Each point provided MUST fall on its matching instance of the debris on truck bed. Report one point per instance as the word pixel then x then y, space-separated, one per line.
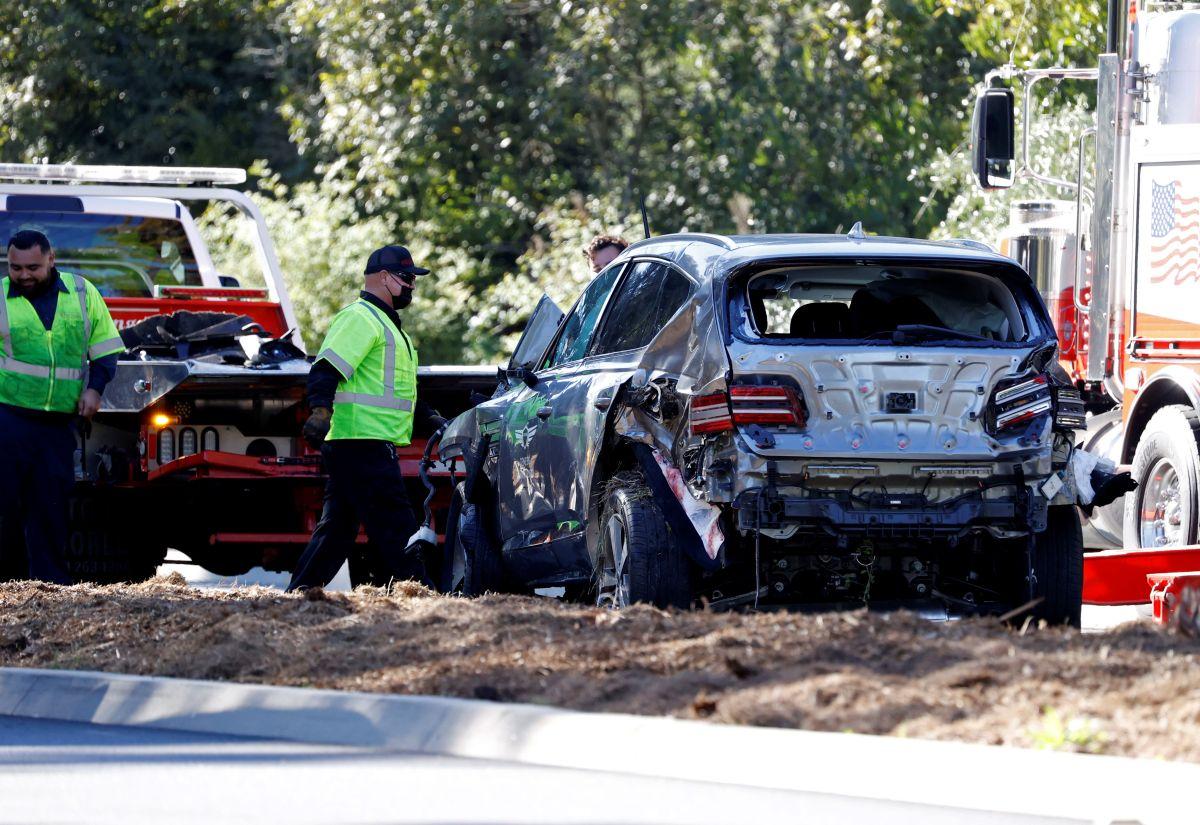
pixel 1132 691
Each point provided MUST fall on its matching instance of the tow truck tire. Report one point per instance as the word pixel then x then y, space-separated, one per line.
pixel 1058 566
pixel 637 560
pixel 472 560
pixel 1163 510
pixel 107 544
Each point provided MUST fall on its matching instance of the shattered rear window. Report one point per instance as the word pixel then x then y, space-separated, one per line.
pixel 876 303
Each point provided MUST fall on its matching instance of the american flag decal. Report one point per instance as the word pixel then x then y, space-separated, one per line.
pixel 1174 234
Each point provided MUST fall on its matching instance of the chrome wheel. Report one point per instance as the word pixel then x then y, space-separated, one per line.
pixel 612 589
pixel 1161 515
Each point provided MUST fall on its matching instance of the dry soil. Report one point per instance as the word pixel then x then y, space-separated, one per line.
pixel 1133 691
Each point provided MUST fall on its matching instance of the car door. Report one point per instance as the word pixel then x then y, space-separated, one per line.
pixel 569 441
pixel 538 459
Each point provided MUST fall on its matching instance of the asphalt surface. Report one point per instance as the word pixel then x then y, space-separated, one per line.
pixel 56 772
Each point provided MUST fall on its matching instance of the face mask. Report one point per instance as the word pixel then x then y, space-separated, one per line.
pixel 401 299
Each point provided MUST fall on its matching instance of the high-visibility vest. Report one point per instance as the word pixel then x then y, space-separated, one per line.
pixel 46 369
pixel 378 364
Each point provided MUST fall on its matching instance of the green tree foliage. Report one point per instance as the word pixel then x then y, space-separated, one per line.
pixel 496 137
pixel 144 81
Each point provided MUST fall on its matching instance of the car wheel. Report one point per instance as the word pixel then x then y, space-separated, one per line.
pixel 637 559
pixel 1162 512
pixel 1058 567
pixel 472 561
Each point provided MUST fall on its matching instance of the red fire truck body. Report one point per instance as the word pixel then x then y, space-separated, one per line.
pixel 197 446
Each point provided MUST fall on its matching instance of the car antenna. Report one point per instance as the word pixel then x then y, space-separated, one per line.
pixel 645 217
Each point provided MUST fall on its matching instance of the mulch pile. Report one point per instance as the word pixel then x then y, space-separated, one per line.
pixel 1132 691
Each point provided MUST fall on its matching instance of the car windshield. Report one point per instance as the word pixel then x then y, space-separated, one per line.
pixel 125 256
pixel 899 304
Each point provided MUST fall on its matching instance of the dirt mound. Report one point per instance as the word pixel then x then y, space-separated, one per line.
pixel 1133 691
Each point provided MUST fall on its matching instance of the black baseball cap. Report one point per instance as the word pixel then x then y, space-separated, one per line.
pixel 393 259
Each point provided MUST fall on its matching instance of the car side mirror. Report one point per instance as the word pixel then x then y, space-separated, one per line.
pixel 992 143
pixel 523 373
pixel 229 281
pixel 527 375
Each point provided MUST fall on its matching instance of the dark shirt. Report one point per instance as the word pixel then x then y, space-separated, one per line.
pixel 44 299
pixel 324 377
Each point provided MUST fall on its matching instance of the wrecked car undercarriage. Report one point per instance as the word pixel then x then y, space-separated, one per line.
pixel 781 420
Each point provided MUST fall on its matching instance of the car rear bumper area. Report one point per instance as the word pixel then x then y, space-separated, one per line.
pixel 907 516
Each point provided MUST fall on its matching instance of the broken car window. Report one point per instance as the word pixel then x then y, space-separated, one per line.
pixel 872 303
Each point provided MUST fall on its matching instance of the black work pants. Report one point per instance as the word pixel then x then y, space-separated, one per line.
pixel 364 487
pixel 37 472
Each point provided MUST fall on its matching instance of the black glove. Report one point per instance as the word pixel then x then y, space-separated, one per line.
pixel 317 427
pixel 1108 488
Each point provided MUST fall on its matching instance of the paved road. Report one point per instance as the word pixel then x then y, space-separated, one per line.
pixel 57 772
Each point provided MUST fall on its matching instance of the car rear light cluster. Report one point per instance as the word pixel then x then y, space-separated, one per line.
pixel 767 405
pixel 1069 412
pixel 719 412
pixel 710 414
pixel 1020 402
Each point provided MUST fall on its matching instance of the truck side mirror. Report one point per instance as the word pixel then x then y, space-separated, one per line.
pixel 992 129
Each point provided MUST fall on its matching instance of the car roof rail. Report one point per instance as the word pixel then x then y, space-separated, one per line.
pixel 142 175
pixel 706 237
pixel 969 243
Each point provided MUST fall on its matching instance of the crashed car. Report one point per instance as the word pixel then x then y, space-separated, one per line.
pixel 780 420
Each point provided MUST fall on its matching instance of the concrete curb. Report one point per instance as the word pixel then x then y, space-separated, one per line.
pixel 1006 781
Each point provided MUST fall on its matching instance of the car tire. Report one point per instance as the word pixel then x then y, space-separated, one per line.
pixel 1164 510
pixel 472 560
pixel 1057 564
pixel 637 559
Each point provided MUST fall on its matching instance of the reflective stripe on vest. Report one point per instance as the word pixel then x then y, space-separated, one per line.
pixel 388 400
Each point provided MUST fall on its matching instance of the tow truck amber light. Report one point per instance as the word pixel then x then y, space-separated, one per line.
pixel 768 405
pixel 710 414
pixel 160 420
pixel 168 175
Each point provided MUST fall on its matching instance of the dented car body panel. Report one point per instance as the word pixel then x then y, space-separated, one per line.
pixel 826 434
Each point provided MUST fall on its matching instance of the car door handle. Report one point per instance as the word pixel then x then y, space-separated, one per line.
pixel 545 412
pixel 603 403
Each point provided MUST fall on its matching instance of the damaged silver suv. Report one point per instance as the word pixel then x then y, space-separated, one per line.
pixel 784 420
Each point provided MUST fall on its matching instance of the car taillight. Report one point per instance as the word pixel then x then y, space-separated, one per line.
pixel 710 414
pixel 1020 402
pixel 1069 410
pixel 767 405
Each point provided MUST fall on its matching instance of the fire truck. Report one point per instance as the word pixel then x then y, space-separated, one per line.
pixel 1119 266
pixel 197 444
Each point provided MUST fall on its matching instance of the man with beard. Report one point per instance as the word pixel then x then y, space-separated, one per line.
pixel 362 392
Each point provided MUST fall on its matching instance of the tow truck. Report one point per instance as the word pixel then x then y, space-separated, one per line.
pixel 197 445
pixel 1119 266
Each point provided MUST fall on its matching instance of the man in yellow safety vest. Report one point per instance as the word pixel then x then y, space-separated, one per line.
pixel 58 350
pixel 362 391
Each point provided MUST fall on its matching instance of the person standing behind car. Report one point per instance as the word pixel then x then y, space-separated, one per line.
pixel 603 250
pixel 362 391
pixel 58 350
